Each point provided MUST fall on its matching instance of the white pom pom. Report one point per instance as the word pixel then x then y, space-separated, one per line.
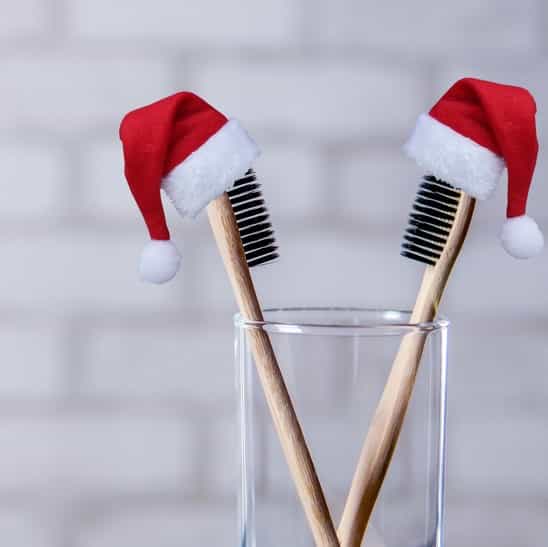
pixel 521 237
pixel 160 261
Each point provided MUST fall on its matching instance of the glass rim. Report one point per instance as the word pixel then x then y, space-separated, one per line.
pixel 311 327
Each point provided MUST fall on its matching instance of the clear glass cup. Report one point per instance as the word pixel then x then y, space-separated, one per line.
pixel 335 362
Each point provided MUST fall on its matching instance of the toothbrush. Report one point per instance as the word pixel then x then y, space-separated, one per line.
pixel 193 152
pixel 471 134
pixel 239 230
pixel 435 236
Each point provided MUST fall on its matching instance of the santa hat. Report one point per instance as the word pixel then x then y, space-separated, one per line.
pixel 471 134
pixel 184 146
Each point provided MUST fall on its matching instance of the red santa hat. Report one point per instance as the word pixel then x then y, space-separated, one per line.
pixel 471 134
pixel 182 145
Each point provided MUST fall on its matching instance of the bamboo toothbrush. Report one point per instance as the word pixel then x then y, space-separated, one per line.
pixel 239 222
pixel 471 134
pixel 436 233
pixel 184 146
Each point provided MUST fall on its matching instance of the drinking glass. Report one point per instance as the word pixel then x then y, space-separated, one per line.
pixel 335 362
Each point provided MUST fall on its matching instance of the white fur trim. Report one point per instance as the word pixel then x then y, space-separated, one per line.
pixel 160 261
pixel 210 170
pixel 521 237
pixel 454 158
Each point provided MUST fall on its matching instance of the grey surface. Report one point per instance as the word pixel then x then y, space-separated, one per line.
pixel 116 399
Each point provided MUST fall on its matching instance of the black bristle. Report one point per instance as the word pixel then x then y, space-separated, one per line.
pixel 424 251
pixel 420 232
pixel 251 193
pixel 252 219
pixel 429 225
pixel 440 191
pixel 432 178
pixel 250 209
pixel 248 177
pixel 433 201
pixel 259 244
pixel 418 258
pixel 254 230
pixel 436 222
pixel 258 235
pixel 243 189
pixel 254 255
pixel 251 222
pixel 263 260
pixel 422 242
pixel 431 211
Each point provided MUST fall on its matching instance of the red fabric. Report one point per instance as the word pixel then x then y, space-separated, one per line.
pixel 500 118
pixel 158 137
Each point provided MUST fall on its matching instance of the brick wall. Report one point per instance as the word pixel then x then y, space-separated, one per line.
pixel 114 396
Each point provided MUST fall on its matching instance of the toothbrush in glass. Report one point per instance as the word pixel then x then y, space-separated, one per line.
pixel 466 140
pixel 184 146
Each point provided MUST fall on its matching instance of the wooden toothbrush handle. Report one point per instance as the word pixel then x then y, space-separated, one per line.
pixel 387 421
pixel 382 436
pixel 225 230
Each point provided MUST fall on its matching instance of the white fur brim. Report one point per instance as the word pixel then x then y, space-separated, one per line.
pixel 454 158
pixel 211 169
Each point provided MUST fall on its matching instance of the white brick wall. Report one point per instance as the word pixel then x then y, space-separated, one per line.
pixel 222 459
pixel 289 281
pixel 294 180
pixel 169 527
pixel 33 364
pixel 315 98
pixel 24 528
pixel 103 197
pixel 511 522
pixel 378 186
pixel 27 166
pixel 23 19
pixel 52 267
pixel 273 22
pixel 63 93
pixel 521 354
pixel 486 275
pixel 433 29
pixel 161 364
pixel 502 456
pixel 103 453
pixel 117 404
